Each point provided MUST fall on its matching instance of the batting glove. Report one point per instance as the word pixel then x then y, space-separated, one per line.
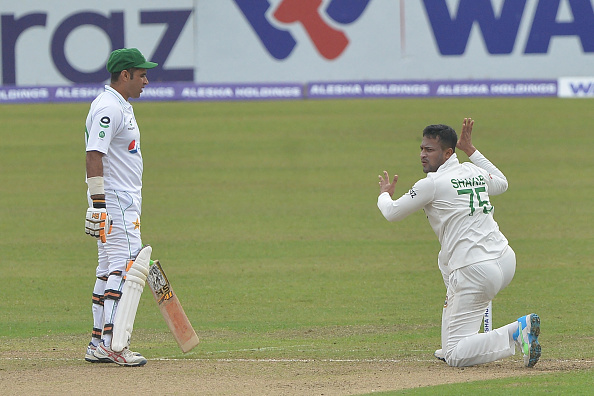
pixel 98 222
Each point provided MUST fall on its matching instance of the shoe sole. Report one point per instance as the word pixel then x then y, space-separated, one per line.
pixel 108 360
pixel 131 364
pixel 97 360
pixel 439 357
pixel 94 359
pixel 126 364
pixel 535 350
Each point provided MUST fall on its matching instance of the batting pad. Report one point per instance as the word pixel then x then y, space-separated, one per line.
pixel 131 292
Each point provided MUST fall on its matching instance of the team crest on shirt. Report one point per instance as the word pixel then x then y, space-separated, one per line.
pixel 133 147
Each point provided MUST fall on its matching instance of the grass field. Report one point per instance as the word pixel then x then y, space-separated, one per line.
pixel 264 216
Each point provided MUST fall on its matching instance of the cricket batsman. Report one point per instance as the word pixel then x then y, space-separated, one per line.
pixel 475 259
pixel 114 178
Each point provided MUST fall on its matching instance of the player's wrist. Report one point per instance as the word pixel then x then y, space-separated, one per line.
pixel 99 203
pixel 96 187
pixel 469 151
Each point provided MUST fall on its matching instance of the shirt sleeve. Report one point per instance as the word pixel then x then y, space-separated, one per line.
pixel 496 180
pixel 416 198
pixel 105 122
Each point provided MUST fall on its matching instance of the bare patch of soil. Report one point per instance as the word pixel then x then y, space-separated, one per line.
pixel 37 374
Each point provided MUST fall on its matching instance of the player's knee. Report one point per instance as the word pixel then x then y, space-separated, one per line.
pixel 112 291
pixel 454 362
pixel 451 358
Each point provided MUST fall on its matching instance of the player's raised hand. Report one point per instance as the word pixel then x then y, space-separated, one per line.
pixel 385 185
pixel 465 140
pixel 98 223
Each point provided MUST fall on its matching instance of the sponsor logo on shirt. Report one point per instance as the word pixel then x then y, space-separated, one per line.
pixel 104 122
pixel 133 147
pixel 412 193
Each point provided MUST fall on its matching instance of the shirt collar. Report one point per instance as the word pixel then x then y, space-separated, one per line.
pixel 123 101
pixel 452 161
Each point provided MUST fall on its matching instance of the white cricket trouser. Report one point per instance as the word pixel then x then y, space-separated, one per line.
pixel 469 291
pixel 124 242
pixel 121 246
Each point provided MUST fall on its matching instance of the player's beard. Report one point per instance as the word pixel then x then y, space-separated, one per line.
pixel 433 167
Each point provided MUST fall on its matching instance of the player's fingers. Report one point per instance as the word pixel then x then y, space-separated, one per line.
pixel 395 179
pixel 466 128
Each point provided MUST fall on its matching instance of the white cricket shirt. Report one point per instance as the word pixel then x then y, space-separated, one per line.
pixel 456 202
pixel 112 130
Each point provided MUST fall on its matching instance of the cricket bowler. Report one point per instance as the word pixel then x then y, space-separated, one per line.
pixel 475 259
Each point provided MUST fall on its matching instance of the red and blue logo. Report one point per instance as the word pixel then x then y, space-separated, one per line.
pixel 329 42
pixel 133 147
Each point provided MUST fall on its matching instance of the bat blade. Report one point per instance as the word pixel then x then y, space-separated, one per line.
pixel 171 308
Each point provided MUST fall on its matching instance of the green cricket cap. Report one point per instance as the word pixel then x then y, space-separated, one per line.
pixel 126 58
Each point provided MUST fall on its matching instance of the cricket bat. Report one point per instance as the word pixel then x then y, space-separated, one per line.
pixel 170 307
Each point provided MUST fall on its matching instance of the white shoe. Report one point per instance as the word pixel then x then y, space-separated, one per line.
pixel 440 355
pixel 124 358
pixel 90 355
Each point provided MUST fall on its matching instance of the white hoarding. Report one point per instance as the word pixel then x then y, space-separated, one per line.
pixel 298 41
pixel 576 87
pixel 69 41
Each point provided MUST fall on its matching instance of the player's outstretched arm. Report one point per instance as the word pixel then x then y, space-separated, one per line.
pixel 465 140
